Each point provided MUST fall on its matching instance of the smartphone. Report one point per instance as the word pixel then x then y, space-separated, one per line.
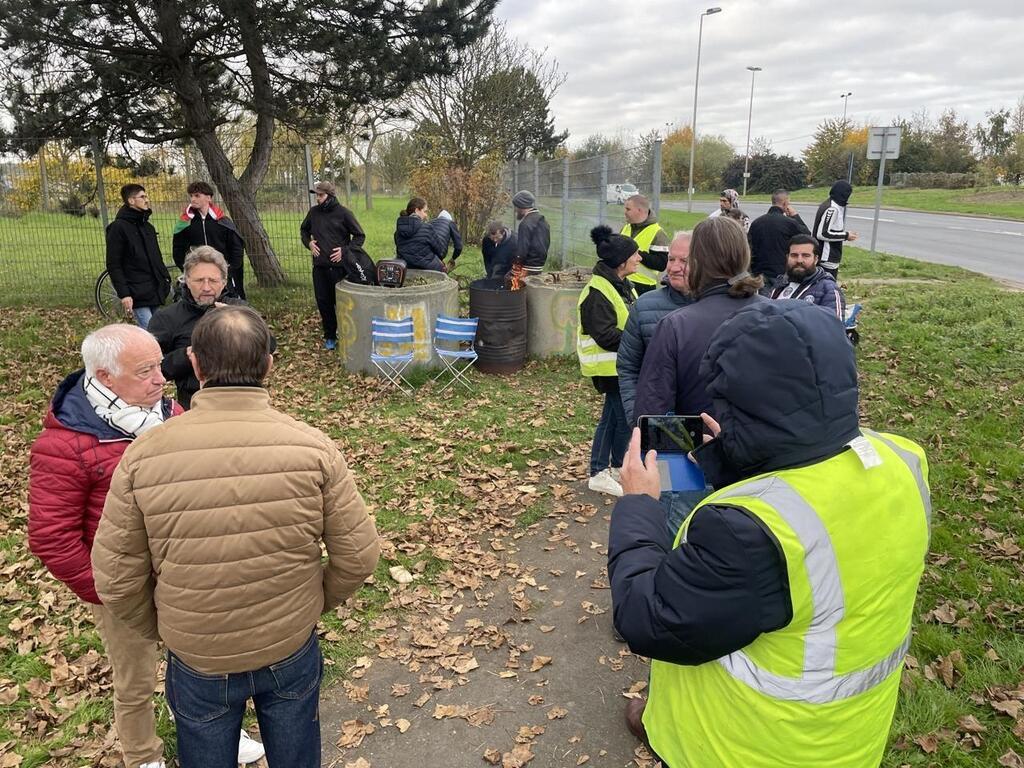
pixel 670 434
pixel 673 437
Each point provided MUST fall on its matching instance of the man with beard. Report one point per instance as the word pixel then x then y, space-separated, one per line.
pixel 134 262
pixel 805 280
pixel 206 276
pixel 203 223
pixel 830 227
pixel 533 237
pixel 328 230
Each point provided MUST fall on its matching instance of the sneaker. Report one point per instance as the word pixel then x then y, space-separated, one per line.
pixel 330 344
pixel 157 764
pixel 603 482
pixel 249 750
pixel 635 718
pixel 616 473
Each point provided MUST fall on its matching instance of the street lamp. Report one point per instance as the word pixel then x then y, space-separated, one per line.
pixel 846 102
pixel 750 115
pixel 693 123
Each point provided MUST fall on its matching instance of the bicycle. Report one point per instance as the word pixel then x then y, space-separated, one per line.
pixel 108 303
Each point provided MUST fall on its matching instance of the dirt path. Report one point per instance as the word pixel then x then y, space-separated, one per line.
pixel 518 667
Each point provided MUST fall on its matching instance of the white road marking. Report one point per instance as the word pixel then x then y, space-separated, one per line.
pixel 871 218
pixel 989 231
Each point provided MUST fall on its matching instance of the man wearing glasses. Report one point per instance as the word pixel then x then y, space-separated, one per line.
pixel 134 262
pixel 206 276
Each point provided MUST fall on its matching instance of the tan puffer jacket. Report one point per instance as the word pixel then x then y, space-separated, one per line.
pixel 211 533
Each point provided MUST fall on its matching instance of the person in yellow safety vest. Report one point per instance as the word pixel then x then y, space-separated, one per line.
pixel 601 314
pixel 652 241
pixel 778 618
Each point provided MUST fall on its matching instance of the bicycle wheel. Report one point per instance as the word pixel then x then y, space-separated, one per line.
pixel 108 303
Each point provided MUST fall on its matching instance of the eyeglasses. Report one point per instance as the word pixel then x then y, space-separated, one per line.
pixel 205 281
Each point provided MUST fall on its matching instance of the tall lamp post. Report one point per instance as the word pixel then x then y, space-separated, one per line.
pixel 750 116
pixel 846 102
pixel 693 123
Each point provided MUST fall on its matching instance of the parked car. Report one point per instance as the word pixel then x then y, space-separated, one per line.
pixel 619 193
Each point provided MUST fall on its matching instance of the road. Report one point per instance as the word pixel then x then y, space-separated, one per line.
pixel 993 247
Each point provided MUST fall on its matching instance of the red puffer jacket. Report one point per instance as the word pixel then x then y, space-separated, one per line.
pixel 72 461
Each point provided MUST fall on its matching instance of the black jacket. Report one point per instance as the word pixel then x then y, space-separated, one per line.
pixel 830 225
pixel 416 244
pixel 498 256
pixel 133 259
pixel 598 320
pixel 819 288
pixel 669 378
pixel 727 584
pixel 172 326
pixel 332 225
pixel 769 242
pixel 533 238
pixel 219 233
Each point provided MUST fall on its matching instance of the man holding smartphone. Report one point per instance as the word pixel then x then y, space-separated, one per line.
pixel 778 615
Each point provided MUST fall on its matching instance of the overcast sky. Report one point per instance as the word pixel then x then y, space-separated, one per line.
pixel 630 65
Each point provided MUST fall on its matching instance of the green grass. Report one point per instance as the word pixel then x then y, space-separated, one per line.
pixel 1001 202
pixel 941 362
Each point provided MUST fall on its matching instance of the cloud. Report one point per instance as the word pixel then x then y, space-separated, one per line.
pixel 631 66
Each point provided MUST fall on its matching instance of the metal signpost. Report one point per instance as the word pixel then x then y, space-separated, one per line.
pixel 883 144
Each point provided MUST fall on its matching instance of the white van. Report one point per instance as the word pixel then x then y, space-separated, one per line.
pixel 619 193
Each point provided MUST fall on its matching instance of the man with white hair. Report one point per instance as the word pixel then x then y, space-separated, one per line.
pixel 94 416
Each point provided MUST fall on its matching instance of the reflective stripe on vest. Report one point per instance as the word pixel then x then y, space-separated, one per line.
pixel 594 359
pixel 914 464
pixel 818 683
pixel 643 239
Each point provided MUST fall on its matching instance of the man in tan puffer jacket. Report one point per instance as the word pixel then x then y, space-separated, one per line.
pixel 211 539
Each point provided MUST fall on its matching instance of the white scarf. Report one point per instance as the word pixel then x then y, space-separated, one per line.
pixel 132 420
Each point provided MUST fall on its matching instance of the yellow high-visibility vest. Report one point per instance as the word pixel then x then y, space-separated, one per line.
pixel 595 360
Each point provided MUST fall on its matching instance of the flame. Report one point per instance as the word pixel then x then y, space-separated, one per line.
pixel 515 277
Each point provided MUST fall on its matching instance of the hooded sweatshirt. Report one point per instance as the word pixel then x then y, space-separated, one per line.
pixel 830 225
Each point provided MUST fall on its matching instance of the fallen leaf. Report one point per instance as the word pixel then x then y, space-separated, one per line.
pixel 539 662
pixel 402 725
pixel 492 756
pixel 1011 760
pixel 557 713
pixel 928 744
pixel 359 763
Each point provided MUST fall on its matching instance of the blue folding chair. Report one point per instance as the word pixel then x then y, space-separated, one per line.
pixel 454 343
pixel 850 323
pixel 392 349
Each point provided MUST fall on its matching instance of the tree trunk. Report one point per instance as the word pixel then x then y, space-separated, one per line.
pixel 348 171
pixel 242 206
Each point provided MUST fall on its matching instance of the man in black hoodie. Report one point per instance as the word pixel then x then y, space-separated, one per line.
pixel 134 262
pixel 328 230
pixel 770 234
pixel 830 227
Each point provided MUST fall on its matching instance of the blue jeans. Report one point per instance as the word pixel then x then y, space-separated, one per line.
pixel 208 710
pixel 142 316
pixel 611 438
pixel 678 506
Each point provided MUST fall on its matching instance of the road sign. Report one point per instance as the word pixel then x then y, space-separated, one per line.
pixel 883 144
pixel 887 136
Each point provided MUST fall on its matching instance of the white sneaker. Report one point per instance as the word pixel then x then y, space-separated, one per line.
pixel 158 764
pixel 616 473
pixel 249 750
pixel 603 482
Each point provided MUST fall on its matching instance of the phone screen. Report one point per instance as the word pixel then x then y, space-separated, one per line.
pixel 670 434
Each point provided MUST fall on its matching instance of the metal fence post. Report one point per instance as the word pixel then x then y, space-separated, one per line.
pixel 656 179
pixel 101 192
pixel 602 190
pixel 536 176
pixel 44 182
pixel 309 173
pixel 515 189
pixel 565 212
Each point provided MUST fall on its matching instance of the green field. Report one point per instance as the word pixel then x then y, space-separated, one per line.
pixel 56 258
pixel 1000 202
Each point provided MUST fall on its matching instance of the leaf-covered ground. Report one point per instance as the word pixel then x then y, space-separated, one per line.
pixel 491 593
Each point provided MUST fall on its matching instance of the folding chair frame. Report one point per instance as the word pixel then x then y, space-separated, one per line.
pixel 456 362
pixel 392 367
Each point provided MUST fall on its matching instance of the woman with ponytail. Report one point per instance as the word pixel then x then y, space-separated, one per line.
pixel 414 241
pixel 602 310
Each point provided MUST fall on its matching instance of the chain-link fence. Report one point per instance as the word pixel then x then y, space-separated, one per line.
pixel 575 195
pixel 55 203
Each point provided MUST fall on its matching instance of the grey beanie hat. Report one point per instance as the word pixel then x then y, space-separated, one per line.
pixel 524 199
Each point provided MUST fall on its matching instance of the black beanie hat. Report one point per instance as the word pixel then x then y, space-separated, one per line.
pixel 612 249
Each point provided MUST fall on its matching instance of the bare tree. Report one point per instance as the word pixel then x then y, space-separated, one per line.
pixel 495 101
